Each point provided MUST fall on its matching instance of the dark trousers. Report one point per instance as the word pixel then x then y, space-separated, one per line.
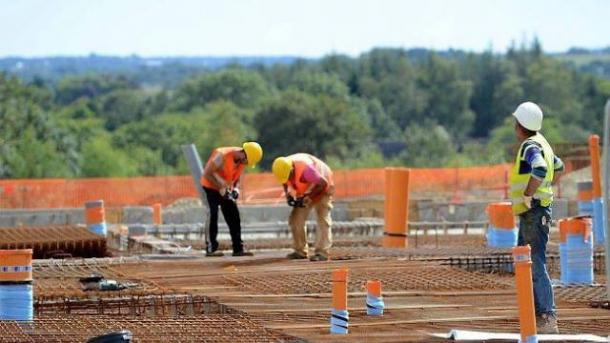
pixel 534 230
pixel 230 212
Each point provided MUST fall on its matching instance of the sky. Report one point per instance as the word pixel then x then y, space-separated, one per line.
pixel 306 28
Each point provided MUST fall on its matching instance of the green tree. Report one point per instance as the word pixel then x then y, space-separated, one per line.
pixel 31 142
pixel 220 123
pixel 428 145
pixel 448 96
pixel 90 86
pixel 101 158
pixel 387 75
pixel 320 125
pixel 122 106
pixel 243 88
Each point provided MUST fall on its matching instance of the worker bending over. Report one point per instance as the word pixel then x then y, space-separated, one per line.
pixel 308 183
pixel 535 171
pixel 220 181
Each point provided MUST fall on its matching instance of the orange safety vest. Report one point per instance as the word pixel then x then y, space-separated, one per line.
pixel 300 162
pixel 230 171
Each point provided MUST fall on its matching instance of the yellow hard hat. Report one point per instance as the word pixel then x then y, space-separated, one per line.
pixel 281 169
pixel 254 153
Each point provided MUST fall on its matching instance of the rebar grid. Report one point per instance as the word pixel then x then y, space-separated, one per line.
pixel 412 276
pixel 145 305
pixel 49 241
pixel 61 277
pixel 205 328
pixel 580 294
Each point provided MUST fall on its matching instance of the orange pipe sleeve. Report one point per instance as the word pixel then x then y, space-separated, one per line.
pixel 373 287
pixel 16 258
pixel 396 207
pixel 525 291
pixel 95 215
pixel 157 217
pixel 340 289
pixel 501 215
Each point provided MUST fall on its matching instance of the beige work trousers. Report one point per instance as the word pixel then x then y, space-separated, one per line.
pixel 297 219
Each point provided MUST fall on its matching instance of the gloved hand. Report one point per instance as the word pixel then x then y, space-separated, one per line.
pixel 290 200
pixel 298 202
pixel 231 194
pixel 235 193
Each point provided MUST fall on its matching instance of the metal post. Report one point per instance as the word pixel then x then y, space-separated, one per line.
pixel 196 168
pixel 606 189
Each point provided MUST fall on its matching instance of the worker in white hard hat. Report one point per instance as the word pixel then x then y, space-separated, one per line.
pixel 308 184
pixel 220 181
pixel 532 177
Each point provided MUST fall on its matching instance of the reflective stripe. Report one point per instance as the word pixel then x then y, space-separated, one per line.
pixel 15 269
pixel 523 185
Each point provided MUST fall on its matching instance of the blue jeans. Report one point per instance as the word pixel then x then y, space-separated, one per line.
pixel 534 230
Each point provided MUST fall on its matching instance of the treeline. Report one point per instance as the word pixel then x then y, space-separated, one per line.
pixel 384 107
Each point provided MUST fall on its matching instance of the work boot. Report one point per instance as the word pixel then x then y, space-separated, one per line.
pixel 214 254
pixel 546 323
pixel 295 256
pixel 318 257
pixel 242 253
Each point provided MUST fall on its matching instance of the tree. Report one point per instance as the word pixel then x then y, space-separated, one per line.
pixel 428 145
pixel 220 123
pixel 388 76
pixel 122 106
pixel 497 88
pixel 448 96
pixel 100 158
pixel 31 142
pixel 320 125
pixel 90 86
pixel 243 88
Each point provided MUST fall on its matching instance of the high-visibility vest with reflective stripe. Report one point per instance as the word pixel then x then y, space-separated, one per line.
pixel 518 182
pixel 300 161
pixel 230 171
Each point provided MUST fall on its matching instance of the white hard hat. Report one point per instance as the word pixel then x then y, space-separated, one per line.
pixel 529 115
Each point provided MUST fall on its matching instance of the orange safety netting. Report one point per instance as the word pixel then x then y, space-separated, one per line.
pixel 453 183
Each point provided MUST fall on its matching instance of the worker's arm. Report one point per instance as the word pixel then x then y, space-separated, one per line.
pixel 532 154
pixel 317 189
pixel 559 169
pixel 211 173
pixel 318 182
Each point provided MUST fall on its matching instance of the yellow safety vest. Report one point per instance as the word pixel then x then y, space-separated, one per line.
pixel 518 182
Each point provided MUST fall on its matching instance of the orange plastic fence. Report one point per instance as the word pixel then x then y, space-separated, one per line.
pixel 453 183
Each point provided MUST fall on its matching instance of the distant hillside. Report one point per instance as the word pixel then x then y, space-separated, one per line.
pixel 170 71
pixel 596 61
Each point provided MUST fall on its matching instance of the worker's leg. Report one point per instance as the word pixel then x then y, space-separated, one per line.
pixel 323 231
pixel 534 230
pixel 213 197
pixel 297 219
pixel 231 214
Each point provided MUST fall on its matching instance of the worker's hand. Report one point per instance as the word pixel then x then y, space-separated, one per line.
pixel 231 194
pixel 290 200
pixel 235 193
pixel 306 201
pixel 527 200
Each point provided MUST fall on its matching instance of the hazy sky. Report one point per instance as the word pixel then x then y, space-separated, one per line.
pixel 308 28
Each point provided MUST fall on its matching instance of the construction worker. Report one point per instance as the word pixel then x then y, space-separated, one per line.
pixel 535 171
pixel 308 183
pixel 220 181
